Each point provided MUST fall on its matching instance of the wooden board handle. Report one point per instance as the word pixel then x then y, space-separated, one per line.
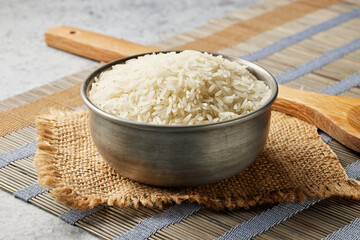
pixel 92 45
pixel 338 116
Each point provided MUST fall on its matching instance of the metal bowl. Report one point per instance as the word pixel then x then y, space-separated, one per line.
pixel 173 156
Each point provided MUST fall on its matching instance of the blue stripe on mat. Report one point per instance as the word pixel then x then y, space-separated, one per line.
pixel 285 42
pixel 29 192
pixel 343 85
pixel 353 170
pixel 72 216
pixel 264 221
pixel 277 214
pixel 349 232
pixel 151 225
pixel 325 137
pixel 318 62
pixel 16 154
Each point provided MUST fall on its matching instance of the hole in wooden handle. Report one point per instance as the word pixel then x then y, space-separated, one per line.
pixel 72 32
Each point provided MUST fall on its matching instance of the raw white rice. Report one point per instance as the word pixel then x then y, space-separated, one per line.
pixel 178 89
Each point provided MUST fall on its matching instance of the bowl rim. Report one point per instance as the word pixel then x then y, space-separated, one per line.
pixel 85 87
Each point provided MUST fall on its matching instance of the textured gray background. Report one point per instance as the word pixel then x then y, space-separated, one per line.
pixel 26 62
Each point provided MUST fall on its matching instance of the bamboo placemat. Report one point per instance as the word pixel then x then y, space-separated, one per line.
pixel 334 44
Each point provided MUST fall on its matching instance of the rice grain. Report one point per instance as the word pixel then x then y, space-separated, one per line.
pixel 183 88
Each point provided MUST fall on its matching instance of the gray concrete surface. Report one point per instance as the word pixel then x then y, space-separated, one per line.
pixel 26 62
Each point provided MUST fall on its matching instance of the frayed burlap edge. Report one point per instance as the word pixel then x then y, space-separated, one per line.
pixel 48 176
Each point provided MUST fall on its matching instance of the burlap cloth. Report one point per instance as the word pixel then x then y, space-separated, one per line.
pixel 295 164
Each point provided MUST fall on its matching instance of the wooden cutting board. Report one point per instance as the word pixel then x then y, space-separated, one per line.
pixel 341 121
